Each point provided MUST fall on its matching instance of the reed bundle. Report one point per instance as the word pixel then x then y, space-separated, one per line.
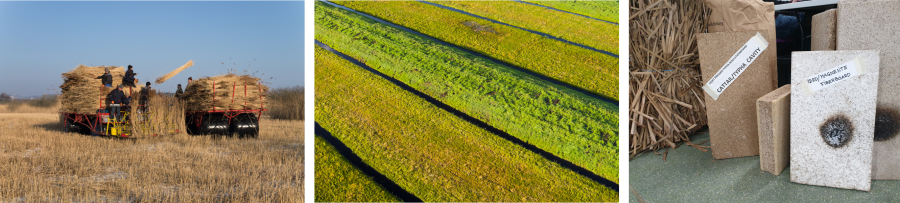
pixel 666 99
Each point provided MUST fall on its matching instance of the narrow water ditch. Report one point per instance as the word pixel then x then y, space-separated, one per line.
pixel 551 8
pixel 520 28
pixel 547 155
pixel 497 61
pixel 354 159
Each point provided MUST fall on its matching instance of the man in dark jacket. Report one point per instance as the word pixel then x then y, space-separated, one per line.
pixel 145 97
pixel 178 92
pixel 106 78
pixel 128 80
pixel 117 96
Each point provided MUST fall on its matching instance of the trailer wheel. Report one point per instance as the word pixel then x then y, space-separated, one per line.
pixel 191 124
pixel 72 127
pixel 245 125
pixel 215 124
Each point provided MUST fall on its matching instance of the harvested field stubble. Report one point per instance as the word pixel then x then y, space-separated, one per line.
pixel 230 91
pixel 82 93
pixel 42 164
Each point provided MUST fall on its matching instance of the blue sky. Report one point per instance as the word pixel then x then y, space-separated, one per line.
pixel 41 40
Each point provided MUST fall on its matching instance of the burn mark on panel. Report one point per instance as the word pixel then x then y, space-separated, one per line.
pixel 886 123
pixel 837 131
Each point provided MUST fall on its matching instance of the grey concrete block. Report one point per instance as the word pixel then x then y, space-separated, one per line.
pixel 773 115
pixel 832 130
pixel 873 25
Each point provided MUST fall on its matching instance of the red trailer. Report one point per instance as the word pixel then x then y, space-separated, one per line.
pixel 241 122
pixel 99 123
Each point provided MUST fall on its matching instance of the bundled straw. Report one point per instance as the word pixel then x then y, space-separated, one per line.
pixel 162 79
pixel 161 115
pixel 226 92
pixel 665 86
pixel 82 93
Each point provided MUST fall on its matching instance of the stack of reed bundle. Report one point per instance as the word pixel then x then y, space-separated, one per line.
pixel 82 92
pixel 225 92
pixel 666 99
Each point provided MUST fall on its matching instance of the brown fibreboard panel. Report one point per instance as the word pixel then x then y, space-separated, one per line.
pixel 732 118
pixel 823 31
pixel 773 114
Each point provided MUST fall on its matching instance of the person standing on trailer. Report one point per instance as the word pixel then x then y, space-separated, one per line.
pixel 128 80
pixel 145 97
pixel 178 92
pixel 106 78
pixel 117 96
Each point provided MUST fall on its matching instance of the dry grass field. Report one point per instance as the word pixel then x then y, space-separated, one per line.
pixel 41 163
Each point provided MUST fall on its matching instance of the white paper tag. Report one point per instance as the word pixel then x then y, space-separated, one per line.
pixel 735 66
pixel 832 76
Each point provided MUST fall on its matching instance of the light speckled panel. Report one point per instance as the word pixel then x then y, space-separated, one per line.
pixel 848 106
pixel 875 25
pixel 732 118
pixel 823 31
pixel 773 113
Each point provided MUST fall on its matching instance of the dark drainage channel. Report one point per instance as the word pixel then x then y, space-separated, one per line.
pixel 379 178
pixel 539 76
pixel 531 31
pixel 547 155
pixel 551 8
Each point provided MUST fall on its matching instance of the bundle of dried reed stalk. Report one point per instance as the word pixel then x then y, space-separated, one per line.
pixel 225 92
pixel 82 93
pixel 163 78
pixel 161 115
pixel 666 98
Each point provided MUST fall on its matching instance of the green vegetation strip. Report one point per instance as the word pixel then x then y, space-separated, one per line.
pixel 339 181
pixel 566 123
pixel 583 68
pixel 578 29
pixel 430 152
pixel 603 10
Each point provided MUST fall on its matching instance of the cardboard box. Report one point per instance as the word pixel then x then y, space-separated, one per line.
pixel 773 114
pixel 872 25
pixel 832 128
pixel 732 118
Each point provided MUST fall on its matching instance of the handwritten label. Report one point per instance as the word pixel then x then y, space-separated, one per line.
pixel 735 66
pixel 832 76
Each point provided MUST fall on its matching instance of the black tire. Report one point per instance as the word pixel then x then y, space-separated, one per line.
pixel 245 125
pixel 71 126
pixel 192 128
pixel 215 124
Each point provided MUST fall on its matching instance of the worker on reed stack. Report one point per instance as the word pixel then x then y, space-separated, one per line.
pixel 178 92
pixel 106 78
pixel 117 96
pixel 188 88
pixel 129 80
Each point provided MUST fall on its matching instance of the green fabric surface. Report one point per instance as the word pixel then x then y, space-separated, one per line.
pixel 691 175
